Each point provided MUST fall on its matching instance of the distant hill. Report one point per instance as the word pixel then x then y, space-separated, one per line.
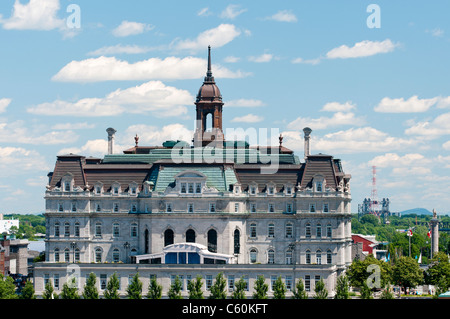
pixel 417 211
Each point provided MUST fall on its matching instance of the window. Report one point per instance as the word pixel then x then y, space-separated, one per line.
pixel 56 281
pixel 133 208
pixel 252 207
pixel 198 188
pixel 56 252
pixel 98 229
pixel 212 240
pixel 319 186
pixel 116 255
pixel 208 282
pixel 271 208
pixel 116 190
pixel 329 257
pixel 273 279
pixel 237 243
pixel 252 190
pixel 74 206
pixel 289 260
pixel 67 186
pixel 67 255
pixel 253 230
pixel 56 229
pixel 98 208
pixel 133 190
pixel 288 282
pixel 103 281
pixel 116 230
pixel 270 190
pixel 318 257
pixel 183 188
pixel 98 190
pixel 329 231
pixel 288 190
pixel 191 188
pixel 289 230
pixel 237 189
pixel 312 208
pixel 271 256
pixel 98 255
pixel 190 236
pixel 168 237
pixel 77 255
pixel 308 230
pixel 308 257
pixel 116 207
pixel 288 208
pixel 212 207
pixel 316 279
pixel 66 229
pixel 168 207
pixel 307 283
pixel 325 208
pixel 134 230
pixel 230 282
pixel 253 255
pixel 77 229
pixel 271 230
pixel 236 207
pixel 190 207
pixel 318 231
pixel 60 207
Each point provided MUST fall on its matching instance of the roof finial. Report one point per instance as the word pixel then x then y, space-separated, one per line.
pixel 209 77
pixel 136 140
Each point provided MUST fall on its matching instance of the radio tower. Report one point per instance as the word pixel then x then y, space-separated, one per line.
pixel 374 204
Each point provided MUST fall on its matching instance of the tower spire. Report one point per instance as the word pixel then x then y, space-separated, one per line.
pixel 209 77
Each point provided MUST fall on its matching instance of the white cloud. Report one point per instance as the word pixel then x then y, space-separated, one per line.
pixel 436 32
pixel 152 96
pixel 127 28
pixel 120 49
pixel 338 119
pixel 303 61
pixel 400 105
pixel 216 37
pixel 73 126
pixel 283 16
pixel 338 107
pixel 249 118
pixel 446 146
pixel 431 129
pixel 362 49
pixel 395 160
pixel 231 59
pixel 265 57
pixel 232 11
pixel 111 69
pixel 244 103
pixel 204 12
pixel 96 148
pixel 17 160
pixel 4 104
pixel 34 15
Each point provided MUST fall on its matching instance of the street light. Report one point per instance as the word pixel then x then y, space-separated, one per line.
pixel 126 246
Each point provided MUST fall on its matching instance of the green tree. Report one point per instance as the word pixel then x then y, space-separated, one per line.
pixel 70 291
pixel 387 293
pixel 342 287
pixel 112 288
pixel 366 292
pixel 407 273
pixel 154 290
pixel 279 289
pixel 358 271
pixel 218 289
pixel 175 289
pixel 134 289
pixel 90 290
pixel 27 291
pixel 299 290
pixel 320 290
pixel 239 289
pixel 195 288
pixel 48 291
pixel 441 287
pixel 7 288
pixel 260 288
pixel 439 268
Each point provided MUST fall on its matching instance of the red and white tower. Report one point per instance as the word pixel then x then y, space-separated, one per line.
pixel 374 206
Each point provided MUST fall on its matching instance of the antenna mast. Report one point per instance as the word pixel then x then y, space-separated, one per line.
pixel 375 206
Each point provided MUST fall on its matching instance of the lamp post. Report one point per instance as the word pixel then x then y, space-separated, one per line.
pixel 126 246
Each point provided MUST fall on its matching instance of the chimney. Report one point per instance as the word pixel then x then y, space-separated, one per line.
pixel 307 132
pixel 111 133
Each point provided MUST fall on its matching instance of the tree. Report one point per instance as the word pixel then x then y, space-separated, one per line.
pixel 439 268
pixel 387 293
pixel 239 289
pixel 342 287
pixel 154 290
pixel 366 292
pixel 112 288
pixel 48 291
pixel 360 270
pixel 134 289
pixel 299 290
pixel 261 288
pixel 320 290
pixel 195 288
pixel 218 289
pixel 175 289
pixel 279 289
pixel 90 290
pixel 407 273
pixel 28 291
pixel 7 288
pixel 441 287
pixel 70 291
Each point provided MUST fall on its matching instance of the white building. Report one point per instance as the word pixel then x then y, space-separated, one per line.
pixel 6 224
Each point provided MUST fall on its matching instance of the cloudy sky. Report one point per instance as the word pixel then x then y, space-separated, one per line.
pixel 371 81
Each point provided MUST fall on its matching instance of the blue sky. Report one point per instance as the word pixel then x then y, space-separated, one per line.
pixel 373 96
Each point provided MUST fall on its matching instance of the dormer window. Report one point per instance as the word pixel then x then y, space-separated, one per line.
pixel 198 188
pixel 183 188
pixel 67 186
pixel 98 188
pixel 288 190
pixel 191 188
pixel 318 186
pixel 169 208
pixel 67 182
pixel 270 190
pixel 252 190
pixel 190 182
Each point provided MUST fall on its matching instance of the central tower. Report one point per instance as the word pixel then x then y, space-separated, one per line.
pixel 209 102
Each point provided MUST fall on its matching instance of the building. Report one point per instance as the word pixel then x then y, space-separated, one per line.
pixel 6 224
pixel 214 206
pixel 369 246
pixel 13 256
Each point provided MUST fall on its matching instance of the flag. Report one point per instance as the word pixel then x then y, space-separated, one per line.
pixel 409 233
pixel 420 259
pixel 429 234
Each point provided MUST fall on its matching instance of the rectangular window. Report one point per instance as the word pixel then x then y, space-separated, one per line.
pixel 253 207
pixel 289 231
pixel 103 281
pixel 271 208
pixel 209 281
pixel 74 206
pixel 191 188
pixel 288 190
pixel 319 186
pixel 116 190
pixel 288 282
pixel 212 207
pixel 288 208
pixel 134 230
pixel 115 230
pixel 98 208
pixel 46 279
pixel 271 230
pixel 133 208
pixel 252 190
pixel 325 208
pixel 253 230
pixel 316 279
pixel 236 207
pixel 230 282
pixel 60 207
pixel 98 229
pixel 190 208
pixel 116 207
pixel 273 278
pixel 247 286
pixel 183 188
pixel 56 281
pixel 67 186
pixel 133 190
pixel 198 188
pixel 98 190
pixel 312 208
pixel 270 190
pixel 168 207
pixel 307 283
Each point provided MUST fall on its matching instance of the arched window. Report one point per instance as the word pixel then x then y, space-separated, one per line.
pixel 289 260
pixel 116 255
pixel 56 229
pixel 134 230
pixel 56 254
pixel 329 257
pixel 190 236
pixel 329 233
pixel 98 255
pixel 67 255
pixel 237 241
pixel 212 240
pixel 270 256
pixel 77 255
pixel 168 237
pixel 308 256
pixel 77 229
pixel 116 228
pixel 318 257
pixel 318 231
pixel 253 255
pixel 66 229
pixel 271 230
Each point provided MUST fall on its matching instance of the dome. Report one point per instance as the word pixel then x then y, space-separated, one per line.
pixel 209 92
